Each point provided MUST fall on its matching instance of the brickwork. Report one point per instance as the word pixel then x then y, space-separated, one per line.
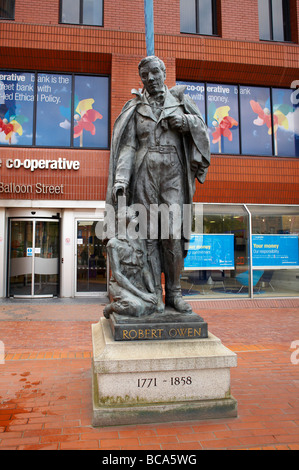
pixel 45 389
pixel 240 21
pixel 36 41
pixel 35 11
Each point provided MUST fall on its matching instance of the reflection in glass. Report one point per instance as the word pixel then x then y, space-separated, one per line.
pixel 188 16
pixel 34 257
pixel 277 15
pixel 16 108
pixel 220 222
pixel 274 20
pixel 46 259
pixel 197 16
pixel 223 118
pixel 70 11
pixel 91 258
pixel 20 269
pixel 279 257
pixel 264 19
pixel 53 105
pixel 286 122
pixel 91 112
pixel 205 17
pixel 92 12
pixel 7 9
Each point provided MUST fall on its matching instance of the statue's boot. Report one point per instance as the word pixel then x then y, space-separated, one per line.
pixel 173 265
pixel 154 259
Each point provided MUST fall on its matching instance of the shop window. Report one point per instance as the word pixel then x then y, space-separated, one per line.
pixel 48 110
pixel 91 258
pixel 286 119
pixel 275 249
pixel 54 110
pixel 7 9
pixel 217 264
pixel 274 20
pixel 196 91
pixel 198 17
pixel 256 121
pixel 229 257
pixel 86 12
pixel 16 108
pixel 248 120
pixel 91 111
pixel 223 118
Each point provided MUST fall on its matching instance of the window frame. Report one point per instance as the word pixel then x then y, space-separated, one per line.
pixel 182 81
pixel 81 23
pixel 213 20
pixel 286 23
pixel 35 102
pixel 13 15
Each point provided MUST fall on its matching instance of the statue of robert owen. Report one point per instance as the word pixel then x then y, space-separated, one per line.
pixel 160 145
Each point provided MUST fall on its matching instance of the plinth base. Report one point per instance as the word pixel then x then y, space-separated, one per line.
pixel 159 381
pixel 168 325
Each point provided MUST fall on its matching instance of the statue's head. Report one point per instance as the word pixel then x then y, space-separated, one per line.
pixel 152 72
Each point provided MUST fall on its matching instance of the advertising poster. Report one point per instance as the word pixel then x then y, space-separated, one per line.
pixel 275 251
pixel 286 123
pixel 256 123
pixel 196 91
pixel 210 251
pixel 223 118
pixel 58 104
pixel 16 108
pixel 53 93
pixel 91 114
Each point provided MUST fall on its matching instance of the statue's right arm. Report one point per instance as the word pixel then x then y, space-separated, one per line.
pixel 126 158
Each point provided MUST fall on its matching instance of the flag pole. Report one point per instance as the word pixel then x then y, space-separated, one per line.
pixel 149 27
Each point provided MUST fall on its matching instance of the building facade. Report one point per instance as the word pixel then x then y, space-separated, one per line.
pixel 66 69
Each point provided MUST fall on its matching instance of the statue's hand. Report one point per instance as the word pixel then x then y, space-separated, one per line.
pixel 119 189
pixel 152 298
pixel 176 121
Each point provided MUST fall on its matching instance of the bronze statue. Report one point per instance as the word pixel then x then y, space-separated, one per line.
pixel 159 147
pixel 131 288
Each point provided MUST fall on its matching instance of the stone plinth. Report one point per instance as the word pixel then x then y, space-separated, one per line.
pixel 169 325
pixel 159 381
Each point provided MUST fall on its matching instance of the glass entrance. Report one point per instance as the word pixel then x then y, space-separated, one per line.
pixel 91 258
pixel 34 258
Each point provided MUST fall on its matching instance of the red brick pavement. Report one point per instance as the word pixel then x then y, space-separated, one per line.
pixel 45 383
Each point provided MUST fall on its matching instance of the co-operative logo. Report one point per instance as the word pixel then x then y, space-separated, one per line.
pixel 2 353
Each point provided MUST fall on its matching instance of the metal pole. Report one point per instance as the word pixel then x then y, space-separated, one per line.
pixel 250 252
pixel 149 27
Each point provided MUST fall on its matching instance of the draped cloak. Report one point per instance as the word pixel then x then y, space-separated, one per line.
pixel 196 144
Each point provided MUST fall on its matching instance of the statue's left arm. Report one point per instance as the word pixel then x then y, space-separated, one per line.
pixel 194 129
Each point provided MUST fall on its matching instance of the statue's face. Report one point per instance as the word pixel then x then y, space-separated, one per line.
pixel 152 77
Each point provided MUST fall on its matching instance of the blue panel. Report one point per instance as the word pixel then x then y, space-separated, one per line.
pixel 210 251
pixel 149 27
pixel 275 251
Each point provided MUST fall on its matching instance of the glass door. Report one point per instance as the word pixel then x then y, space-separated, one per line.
pixel 34 258
pixel 91 276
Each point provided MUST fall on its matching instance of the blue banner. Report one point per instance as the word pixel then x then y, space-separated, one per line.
pixel 210 251
pixel 275 251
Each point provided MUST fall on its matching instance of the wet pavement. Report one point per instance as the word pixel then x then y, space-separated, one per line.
pixel 45 380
